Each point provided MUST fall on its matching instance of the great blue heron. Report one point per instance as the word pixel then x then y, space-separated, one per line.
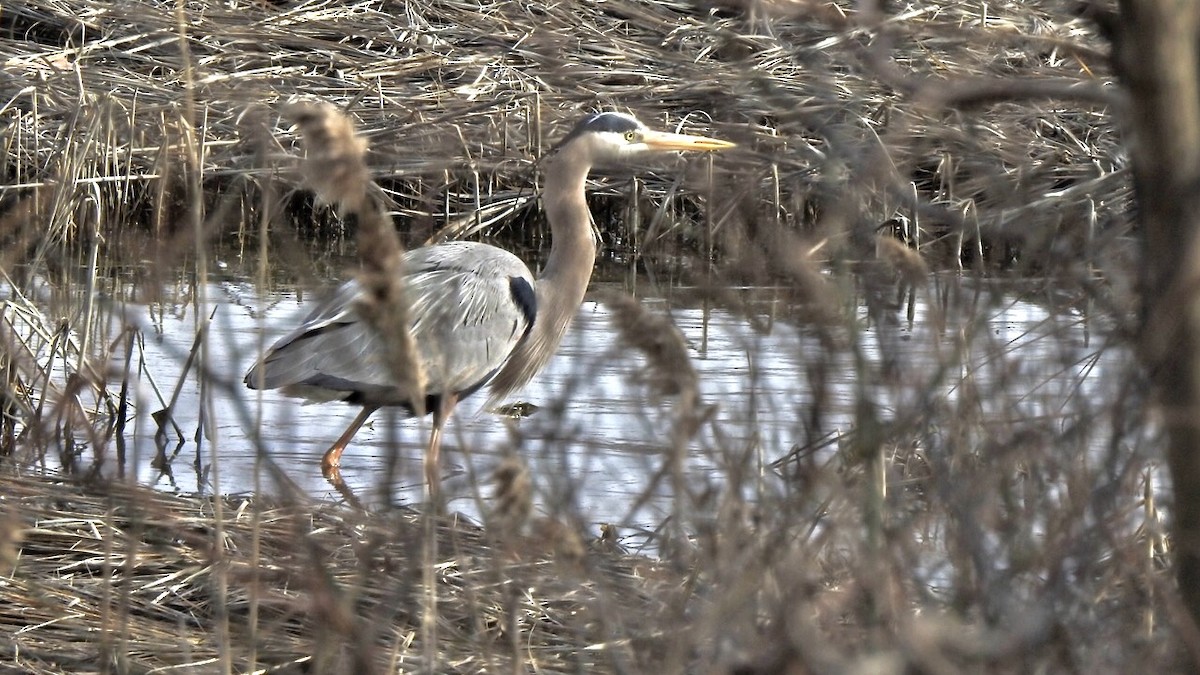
pixel 479 317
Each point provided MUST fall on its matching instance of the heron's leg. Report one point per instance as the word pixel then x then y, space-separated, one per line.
pixel 433 475
pixel 333 456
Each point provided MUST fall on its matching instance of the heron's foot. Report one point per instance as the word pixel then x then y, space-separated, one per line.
pixel 331 466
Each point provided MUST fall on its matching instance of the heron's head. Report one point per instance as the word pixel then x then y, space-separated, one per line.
pixel 614 137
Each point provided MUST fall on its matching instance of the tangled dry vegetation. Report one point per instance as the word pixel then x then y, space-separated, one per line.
pixel 129 580
pixel 966 519
pixel 457 99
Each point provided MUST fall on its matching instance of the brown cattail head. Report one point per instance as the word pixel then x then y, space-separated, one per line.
pixel 513 497
pixel 668 365
pixel 335 167
pixel 903 259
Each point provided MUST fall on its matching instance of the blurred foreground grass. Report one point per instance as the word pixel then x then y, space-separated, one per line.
pixel 947 530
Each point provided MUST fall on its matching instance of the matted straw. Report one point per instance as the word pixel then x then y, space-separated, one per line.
pixel 451 87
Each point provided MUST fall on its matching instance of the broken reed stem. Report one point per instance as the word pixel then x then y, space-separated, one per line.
pixel 336 170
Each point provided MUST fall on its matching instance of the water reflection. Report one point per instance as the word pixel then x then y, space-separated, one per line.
pixel 598 440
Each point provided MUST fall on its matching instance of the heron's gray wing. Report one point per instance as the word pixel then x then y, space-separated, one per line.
pixel 471 304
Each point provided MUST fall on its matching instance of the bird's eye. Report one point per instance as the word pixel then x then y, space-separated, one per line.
pixel 631 136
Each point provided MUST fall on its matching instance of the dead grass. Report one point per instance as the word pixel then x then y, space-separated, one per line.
pixel 457 99
pixel 109 578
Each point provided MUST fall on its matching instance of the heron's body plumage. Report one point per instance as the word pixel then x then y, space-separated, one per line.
pixel 471 304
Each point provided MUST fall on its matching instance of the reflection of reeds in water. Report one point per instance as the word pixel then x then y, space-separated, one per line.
pixel 53 394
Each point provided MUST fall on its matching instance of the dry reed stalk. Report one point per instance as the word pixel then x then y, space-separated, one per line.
pixel 336 169
pixel 903 259
pixel 670 369
pixel 513 497
pixel 670 374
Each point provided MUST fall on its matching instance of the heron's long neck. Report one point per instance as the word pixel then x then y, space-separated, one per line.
pixel 564 279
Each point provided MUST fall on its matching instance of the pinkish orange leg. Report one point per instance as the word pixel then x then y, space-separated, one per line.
pixel 333 456
pixel 433 474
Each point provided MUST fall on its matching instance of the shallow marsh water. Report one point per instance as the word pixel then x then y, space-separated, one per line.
pixel 598 439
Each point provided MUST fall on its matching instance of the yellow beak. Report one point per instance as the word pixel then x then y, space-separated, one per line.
pixel 661 140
